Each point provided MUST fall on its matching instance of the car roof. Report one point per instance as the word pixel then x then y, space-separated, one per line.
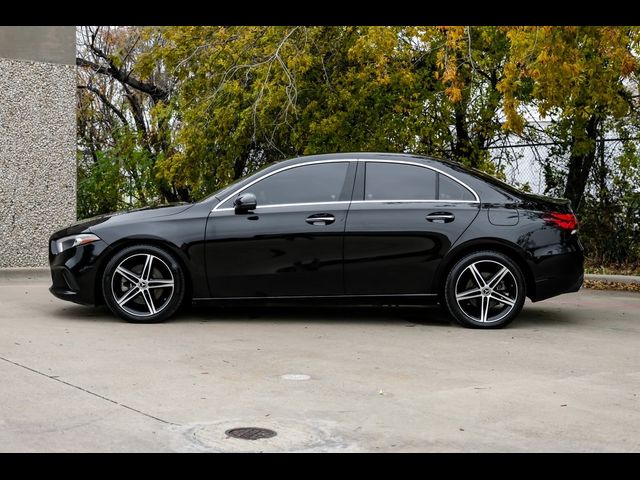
pixel 366 156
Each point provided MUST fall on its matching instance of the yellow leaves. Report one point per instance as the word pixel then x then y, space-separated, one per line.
pixel 448 59
pixel 301 62
pixel 406 77
pixel 629 64
pixel 570 69
pixel 174 169
pixel 514 121
pixel 375 43
pixel 451 80
pixel 509 86
pixel 450 73
pixel 454 93
pixel 543 56
pixel 453 34
pixel 383 78
pixel 578 70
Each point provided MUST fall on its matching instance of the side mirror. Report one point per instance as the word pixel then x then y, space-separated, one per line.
pixel 245 202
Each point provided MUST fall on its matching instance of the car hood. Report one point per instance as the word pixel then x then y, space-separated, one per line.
pixel 125 216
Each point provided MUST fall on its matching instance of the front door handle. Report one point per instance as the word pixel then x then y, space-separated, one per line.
pixel 320 219
pixel 441 217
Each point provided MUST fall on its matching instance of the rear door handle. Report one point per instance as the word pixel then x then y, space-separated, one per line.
pixel 441 217
pixel 320 219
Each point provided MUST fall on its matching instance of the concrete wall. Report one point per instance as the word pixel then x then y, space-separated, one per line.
pixel 40 44
pixel 37 140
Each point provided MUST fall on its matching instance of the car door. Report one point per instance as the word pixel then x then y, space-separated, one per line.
pixel 291 244
pixel 403 219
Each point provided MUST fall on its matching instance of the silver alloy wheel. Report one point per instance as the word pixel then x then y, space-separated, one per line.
pixel 486 291
pixel 142 285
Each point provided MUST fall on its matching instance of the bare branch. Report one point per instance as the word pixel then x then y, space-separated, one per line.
pixel 106 101
pixel 157 93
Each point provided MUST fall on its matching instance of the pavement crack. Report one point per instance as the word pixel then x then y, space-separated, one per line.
pixel 57 379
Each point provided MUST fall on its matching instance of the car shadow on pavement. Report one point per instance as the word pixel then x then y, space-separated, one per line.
pixel 530 317
pixel 533 316
pixel 423 315
pixel 412 315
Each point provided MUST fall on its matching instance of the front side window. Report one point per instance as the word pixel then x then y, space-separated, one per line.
pixel 397 181
pixel 305 184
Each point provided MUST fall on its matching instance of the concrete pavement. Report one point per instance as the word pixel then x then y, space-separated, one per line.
pixel 564 377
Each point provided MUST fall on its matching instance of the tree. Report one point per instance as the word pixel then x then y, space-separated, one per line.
pixel 129 105
pixel 470 66
pixel 579 76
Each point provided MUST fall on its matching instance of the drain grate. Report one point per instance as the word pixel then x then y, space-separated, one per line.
pixel 250 433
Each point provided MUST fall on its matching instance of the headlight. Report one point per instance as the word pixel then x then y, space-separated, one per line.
pixel 65 243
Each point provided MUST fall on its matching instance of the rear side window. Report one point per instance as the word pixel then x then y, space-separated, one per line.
pixel 396 181
pixel 452 190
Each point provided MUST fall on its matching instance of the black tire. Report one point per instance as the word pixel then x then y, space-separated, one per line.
pixel 127 267
pixel 478 303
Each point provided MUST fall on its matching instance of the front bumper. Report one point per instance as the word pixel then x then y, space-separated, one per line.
pixel 74 273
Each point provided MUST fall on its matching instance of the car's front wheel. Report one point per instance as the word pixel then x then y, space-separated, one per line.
pixel 143 284
pixel 485 290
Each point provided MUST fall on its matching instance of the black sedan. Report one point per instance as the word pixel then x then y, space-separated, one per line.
pixel 359 228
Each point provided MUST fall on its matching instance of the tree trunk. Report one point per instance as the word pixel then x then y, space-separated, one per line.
pixel 168 193
pixel 581 161
pixel 184 194
pixel 238 168
pixel 466 149
pixel 463 148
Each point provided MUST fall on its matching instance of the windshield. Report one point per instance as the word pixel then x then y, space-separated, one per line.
pixel 224 191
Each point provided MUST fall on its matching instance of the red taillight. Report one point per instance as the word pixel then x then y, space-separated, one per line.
pixel 565 221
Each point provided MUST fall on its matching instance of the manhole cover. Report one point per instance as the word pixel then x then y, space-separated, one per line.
pixel 250 433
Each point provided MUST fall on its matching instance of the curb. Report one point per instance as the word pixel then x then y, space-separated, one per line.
pixel 629 279
pixel 33 274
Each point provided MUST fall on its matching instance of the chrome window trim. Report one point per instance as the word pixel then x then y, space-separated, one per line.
pixel 414 201
pixel 345 202
pixel 347 160
pixel 238 192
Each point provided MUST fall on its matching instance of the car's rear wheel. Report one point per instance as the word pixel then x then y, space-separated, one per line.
pixel 485 290
pixel 143 284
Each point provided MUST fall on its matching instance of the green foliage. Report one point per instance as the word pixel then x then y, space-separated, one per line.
pixel 99 185
pixel 120 177
pixel 611 235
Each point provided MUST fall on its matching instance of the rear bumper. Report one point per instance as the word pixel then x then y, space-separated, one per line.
pixel 558 273
pixel 73 273
pixel 557 286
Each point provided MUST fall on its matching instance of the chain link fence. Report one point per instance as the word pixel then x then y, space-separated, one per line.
pixel 540 168
pixel 609 213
